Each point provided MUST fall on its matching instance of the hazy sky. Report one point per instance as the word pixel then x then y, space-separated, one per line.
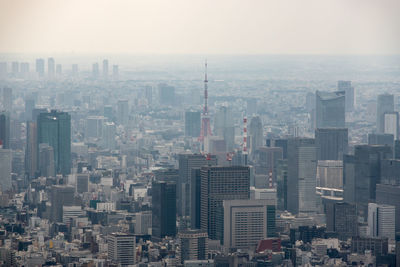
pixel 200 26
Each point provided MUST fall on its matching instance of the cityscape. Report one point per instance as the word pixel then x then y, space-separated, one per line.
pixel 199 158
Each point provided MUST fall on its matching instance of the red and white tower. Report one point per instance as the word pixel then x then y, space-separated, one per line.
pixel 205 118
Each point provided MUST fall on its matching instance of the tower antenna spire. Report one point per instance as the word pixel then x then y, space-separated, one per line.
pixel 205 120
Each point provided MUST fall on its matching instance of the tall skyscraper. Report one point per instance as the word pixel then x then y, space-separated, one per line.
pixel 3 69
pixel 5 169
pixel 46 160
pixel 60 196
pixel 193 245
pixel 122 248
pixel 40 67
pixel 5 129
pixel 166 94
pixel 330 109
pixel 51 67
pixel 332 143
pixel 31 151
pixel 246 222
pixel 105 68
pixel 29 107
pixel 218 184
pixel 24 70
pixel 54 129
pixel 302 167
pixel 391 124
pixel 15 68
pixel 385 105
pixel 195 199
pixel 149 94
pixel 349 94
pixel 122 111
pixel 381 220
pixel 59 70
pixel 341 218
pixel 266 160
pixel 95 70
pixel 256 136
pixel 192 123
pixel 251 107
pixel 115 72
pixel 163 195
pixel 75 70
pixel 108 137
pixel 224 126
pixel 187 162
pixel 361 173
pixel 7 99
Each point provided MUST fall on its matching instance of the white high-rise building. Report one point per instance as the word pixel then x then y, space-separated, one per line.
pixel 5 169
pixel 381 220
pixel 122 248
pixel 248 221
pixel 71 212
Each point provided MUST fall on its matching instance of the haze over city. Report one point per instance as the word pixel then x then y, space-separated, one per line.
pixel 200 27
pixel 199 133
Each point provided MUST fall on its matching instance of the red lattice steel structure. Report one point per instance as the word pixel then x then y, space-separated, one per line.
pixel 205 118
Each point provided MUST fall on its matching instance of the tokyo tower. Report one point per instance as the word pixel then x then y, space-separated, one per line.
pixel 205 118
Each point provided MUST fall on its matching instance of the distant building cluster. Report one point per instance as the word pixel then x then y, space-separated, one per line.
pixel 106 168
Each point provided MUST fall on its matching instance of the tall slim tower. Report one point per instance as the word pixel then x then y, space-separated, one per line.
pixel 205 120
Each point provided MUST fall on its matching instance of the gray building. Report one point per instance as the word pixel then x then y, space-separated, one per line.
pixel 219 184
pixel 192 123
pixel 381 139
pixel 341 218
pixel 40 67
pixel 361 173
pixel 301 180
pixel 5 169
pixel 332 143
pixel 54 129
pixel 122 248
pixel 82 182
pixel 5 129
pixel 390 171
pixel 266 160
pixel 60 196
pixel 256 136
pixel 349 94
pixel 166 94
pixel 385 105
pixel 163 195
pixel 224 126
pixel 330 109
pixel 122 111
pixel 187 162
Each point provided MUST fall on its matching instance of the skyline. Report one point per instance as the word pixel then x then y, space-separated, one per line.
pixel 185 27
